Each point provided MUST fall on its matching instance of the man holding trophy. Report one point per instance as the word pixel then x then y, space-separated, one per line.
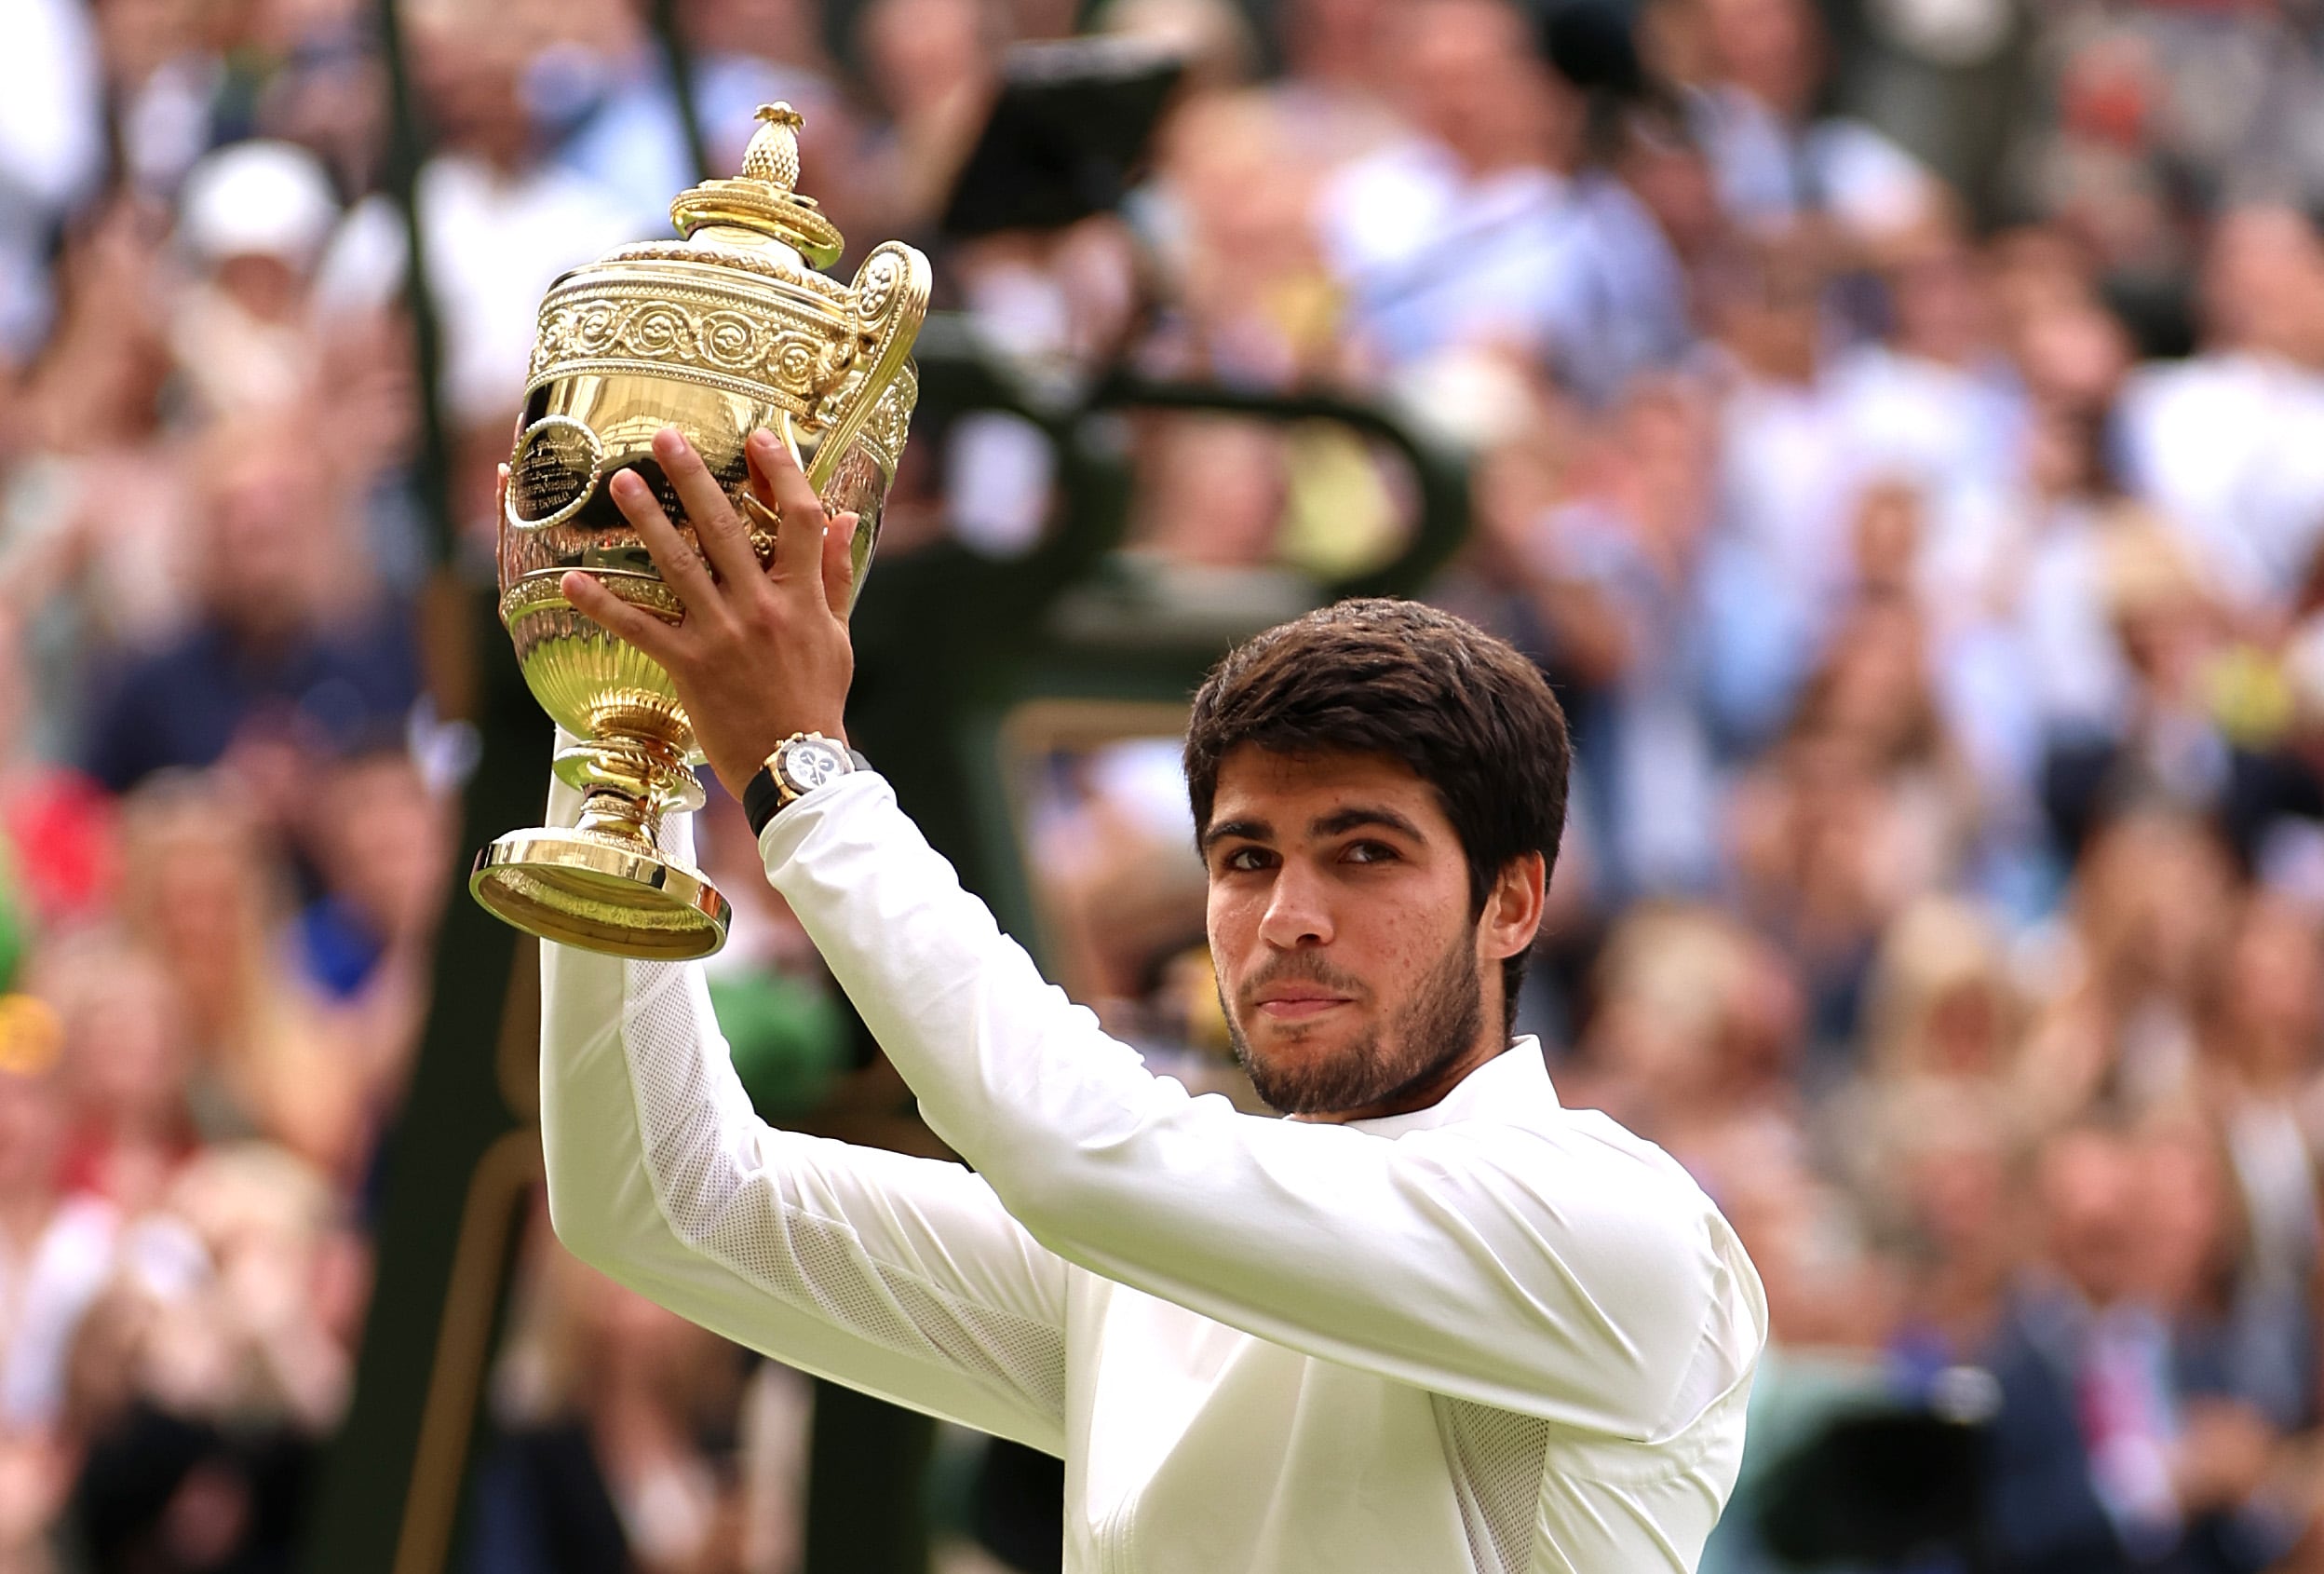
pixel 1431 1321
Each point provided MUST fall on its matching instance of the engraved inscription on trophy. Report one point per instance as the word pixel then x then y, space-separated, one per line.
pixel 553 471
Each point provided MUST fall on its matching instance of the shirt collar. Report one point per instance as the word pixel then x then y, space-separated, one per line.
pixel 1514 1080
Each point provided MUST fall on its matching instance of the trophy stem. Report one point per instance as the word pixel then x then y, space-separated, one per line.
pixel 610 812
pixel 607 885
pixel 628 784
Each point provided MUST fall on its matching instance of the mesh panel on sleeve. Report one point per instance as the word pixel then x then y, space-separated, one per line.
pixel 1498 1458
pixel 741 1219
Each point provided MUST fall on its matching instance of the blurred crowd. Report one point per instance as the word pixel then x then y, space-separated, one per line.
pixel 1897 426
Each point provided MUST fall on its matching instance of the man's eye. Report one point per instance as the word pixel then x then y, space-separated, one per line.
pixel 1246 859
pixel 1368 852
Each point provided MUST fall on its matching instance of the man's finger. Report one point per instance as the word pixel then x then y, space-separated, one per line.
pixel 762 505
pixel 681 565
pixel 724 541
pixel 799 543
pixel 649 633
pixel 838 564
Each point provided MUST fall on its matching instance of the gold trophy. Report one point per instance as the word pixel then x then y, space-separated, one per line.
pixel 719 333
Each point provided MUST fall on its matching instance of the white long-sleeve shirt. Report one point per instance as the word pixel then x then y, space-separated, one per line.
pixel 1492 1334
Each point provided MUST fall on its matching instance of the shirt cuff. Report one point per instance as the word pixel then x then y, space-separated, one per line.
pixel 796 820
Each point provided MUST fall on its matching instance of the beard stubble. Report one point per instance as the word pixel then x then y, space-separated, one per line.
pixel 1436 1026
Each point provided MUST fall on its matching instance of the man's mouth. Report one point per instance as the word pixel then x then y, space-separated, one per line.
pixel 1298 1005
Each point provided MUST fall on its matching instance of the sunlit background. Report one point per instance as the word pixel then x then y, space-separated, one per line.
pixel 1897 426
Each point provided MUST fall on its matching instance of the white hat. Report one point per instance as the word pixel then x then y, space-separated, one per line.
pixel 264 198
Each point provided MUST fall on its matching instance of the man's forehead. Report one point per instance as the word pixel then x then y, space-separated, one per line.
pixel 1288 789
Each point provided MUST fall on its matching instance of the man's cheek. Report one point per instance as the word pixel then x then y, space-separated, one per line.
pixel 1229 937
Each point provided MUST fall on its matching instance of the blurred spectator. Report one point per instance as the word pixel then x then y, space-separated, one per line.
pixel 502 221
pixel 744 53
pixel 1338 75
pixel 2150 912
pixel 2109 1452
pixel 288 656
pixel 1124 894
pixel 2168 742
pixel 1695 1042
pixel 934 64
pixel 59 847
pixel 2231 442
pixel 2264 1029
pixel 55 1253
pixel 96 521
pixel 1626 581
pixel 202 1395
pixel 2237 1339
pixel 1930 1127
pixel 1790 471
pixel 129 1069
pixel 1777 164
pixel 381 843
pixel 1949 1156
pixel 253 219
pixel 617 1441
pixel 178 79
pixel 1936 407
pixel 56 1248
pixel 1484 227
pixel 1864 805
pixel 326 89
pixel 1251 299
pixel 1457 232
pixel 1216 493
pixel 51 150
pixel 205 891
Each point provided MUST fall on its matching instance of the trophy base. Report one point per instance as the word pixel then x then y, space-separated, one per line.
pixel 591 891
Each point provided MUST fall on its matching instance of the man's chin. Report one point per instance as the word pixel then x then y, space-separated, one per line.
pixel 1304 1070
pixel 1299 1046
pixel 1356 1057
pixel 1290 1095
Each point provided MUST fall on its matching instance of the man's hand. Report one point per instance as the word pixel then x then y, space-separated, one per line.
pixel 761 654
pixel 2222 1456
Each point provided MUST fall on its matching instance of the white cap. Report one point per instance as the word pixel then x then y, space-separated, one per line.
pixel 263 198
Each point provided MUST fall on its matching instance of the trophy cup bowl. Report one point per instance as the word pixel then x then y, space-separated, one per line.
pixel 725 330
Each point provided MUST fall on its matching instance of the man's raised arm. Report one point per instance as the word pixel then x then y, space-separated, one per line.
pixel 903 1276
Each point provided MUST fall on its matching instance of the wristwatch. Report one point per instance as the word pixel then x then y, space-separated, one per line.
pixel 799 764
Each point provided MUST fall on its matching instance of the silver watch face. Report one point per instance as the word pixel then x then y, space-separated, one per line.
pixel 805 764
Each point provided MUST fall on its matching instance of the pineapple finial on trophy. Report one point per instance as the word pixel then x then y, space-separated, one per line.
pixel 762 204
pixel 773 156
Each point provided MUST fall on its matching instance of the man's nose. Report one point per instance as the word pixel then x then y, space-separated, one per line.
pixel 1297 913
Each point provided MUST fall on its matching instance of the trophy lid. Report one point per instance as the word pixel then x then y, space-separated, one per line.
pixel 761 200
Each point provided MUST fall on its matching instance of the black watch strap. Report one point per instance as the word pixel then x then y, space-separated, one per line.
pixel 761 799
pixel 763 796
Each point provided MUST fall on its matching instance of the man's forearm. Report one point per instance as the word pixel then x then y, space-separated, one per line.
pixel 847 1262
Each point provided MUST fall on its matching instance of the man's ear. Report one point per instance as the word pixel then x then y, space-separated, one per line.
pixel 1513 906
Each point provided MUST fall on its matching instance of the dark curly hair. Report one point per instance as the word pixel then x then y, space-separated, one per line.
pixel 1461 710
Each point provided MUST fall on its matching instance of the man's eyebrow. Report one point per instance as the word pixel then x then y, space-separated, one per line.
pixel 1357 815
pixel 1242 830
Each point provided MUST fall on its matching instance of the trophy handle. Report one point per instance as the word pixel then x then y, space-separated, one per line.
pixel 890 299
